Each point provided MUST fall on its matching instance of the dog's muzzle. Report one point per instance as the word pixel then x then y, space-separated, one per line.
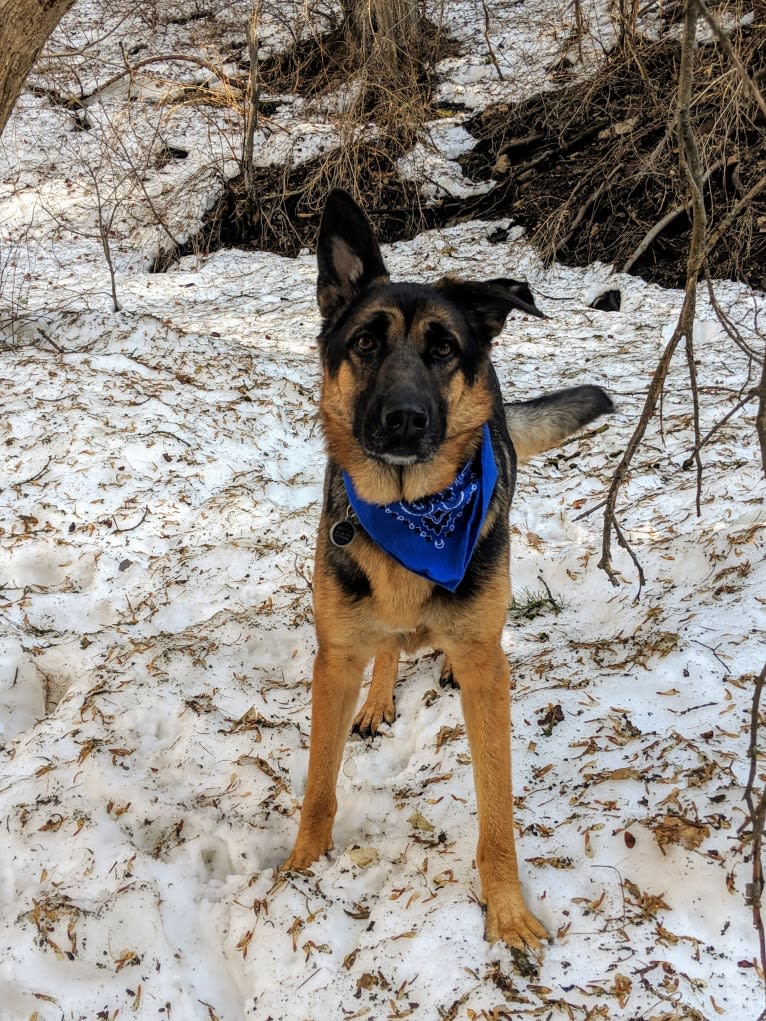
pixel 400 419
pixel 401 429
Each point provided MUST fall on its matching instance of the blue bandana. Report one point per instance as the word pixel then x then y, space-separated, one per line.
pixel 435 536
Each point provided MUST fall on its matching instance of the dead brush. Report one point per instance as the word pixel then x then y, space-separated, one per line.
pixel 531 603
pixel 592 169
pixel 374 87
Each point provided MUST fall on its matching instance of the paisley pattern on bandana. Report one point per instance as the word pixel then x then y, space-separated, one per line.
pixel 435 518
pixel 435 536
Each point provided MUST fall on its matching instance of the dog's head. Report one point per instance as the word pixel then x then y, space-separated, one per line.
pixel 405 389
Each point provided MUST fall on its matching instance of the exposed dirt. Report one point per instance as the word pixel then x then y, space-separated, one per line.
pixel 279 211
pixel 283 214
pixel 591 169
pixel 319 63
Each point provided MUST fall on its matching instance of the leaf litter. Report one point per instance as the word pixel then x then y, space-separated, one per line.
pixel 161 482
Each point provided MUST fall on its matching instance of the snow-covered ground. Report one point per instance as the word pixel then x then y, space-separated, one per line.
pixel 161 478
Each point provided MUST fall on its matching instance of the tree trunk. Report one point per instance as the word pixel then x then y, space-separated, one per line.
pixel 24 29
pixel 385 34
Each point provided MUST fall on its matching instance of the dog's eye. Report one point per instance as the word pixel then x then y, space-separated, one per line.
pixel 365 344
pixel 441 350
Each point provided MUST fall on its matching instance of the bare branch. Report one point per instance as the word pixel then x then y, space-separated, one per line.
pixel 732 54
pixel 760 418
pixel 162 58
pixel 756 820
pixel 650 404
pixel 690 165
pixel 666 220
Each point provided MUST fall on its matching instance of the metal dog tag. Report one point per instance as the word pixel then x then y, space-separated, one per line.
pixel 342 532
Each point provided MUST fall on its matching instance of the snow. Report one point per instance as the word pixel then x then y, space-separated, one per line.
pixel 160 484
pixel 432 162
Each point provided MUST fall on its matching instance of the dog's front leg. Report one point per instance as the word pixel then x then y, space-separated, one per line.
pixel 380 699
pixel 334 690
pixel 482 674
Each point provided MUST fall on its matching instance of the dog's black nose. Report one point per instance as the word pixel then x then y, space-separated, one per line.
pixel 404 420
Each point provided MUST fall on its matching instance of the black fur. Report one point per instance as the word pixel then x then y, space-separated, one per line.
pixel 349 575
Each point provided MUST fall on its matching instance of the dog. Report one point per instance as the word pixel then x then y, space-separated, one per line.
pixel 413 543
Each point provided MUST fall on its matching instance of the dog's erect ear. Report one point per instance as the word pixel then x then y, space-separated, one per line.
pixel 488 302
pixel 348 255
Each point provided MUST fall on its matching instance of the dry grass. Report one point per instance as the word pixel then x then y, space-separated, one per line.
pixel 592 169
pixel 377 108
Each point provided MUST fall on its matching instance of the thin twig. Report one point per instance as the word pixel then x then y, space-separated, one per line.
pixel 690 166
pixel 729 326
pixel 695 455
pixel 733 56
pixel 49 339
pixel 162 58
pixel 650 404
pixel 756 821
pixel 629 549
pixel 666 220
pixel 35 477
pixel 253 98
pixel 130 528
pixel 736 210
pixel 490 49
pixel 652 234
pixel 760 418
pixel 590 510
pixel 581 213
pixel 749 396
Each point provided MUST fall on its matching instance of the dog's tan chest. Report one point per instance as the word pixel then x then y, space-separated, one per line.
pixel 399 598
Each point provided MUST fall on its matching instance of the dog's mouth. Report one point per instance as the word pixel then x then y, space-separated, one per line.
pixel 400 460
pixel 401 445
pixel 401 433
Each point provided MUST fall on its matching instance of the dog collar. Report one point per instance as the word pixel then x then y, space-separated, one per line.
pixel 435 536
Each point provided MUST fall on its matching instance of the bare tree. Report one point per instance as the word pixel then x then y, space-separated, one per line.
pixel 385 34
pixel 24 29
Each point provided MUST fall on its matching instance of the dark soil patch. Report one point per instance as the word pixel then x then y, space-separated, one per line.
pixel 319 63
pixel 286 205
pixel 308 67
pixel 590 170
pixel 279 210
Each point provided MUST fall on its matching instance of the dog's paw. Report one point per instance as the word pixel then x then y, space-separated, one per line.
pixel 291 865
pixel 368 720
pixel 297 863
pixel 514 924
pixel 304 855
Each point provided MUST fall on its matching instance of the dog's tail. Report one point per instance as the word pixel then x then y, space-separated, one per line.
pixel 546 421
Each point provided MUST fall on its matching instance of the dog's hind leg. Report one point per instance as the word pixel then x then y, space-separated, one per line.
pixel 379 705
pixel 447 676
pixel 334 690
pixel 482 672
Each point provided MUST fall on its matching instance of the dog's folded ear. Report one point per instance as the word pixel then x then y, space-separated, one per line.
pixel 348 255
pixel 488 302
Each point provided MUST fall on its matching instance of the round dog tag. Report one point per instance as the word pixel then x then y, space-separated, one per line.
pixel 342 532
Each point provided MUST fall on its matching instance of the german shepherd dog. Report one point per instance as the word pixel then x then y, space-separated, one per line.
pixel 410 405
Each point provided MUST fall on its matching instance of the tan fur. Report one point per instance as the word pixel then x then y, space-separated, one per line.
pixel 379 704
pixel 534 430
pixel 400 615
pixel 469 409
pixel 471 640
